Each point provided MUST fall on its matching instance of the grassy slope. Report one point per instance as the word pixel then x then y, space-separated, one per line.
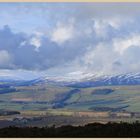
pixel 83 100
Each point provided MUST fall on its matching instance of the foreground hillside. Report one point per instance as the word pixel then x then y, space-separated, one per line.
pixel 95 130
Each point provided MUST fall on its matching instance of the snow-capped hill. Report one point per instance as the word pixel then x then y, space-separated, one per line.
pixel 122 79
pixel 75 79
pixel 90 80
pixel 71 77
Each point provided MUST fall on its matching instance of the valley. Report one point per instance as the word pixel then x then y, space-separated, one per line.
pixel 49 104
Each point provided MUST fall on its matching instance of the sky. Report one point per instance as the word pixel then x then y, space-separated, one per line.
pixel 58 39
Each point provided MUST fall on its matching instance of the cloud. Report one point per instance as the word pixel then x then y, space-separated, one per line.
pixel 36 51
pixel 102 27
pixel 5 59
pixel 100 58
pixel 98 38
pixel 119 55
pixel 123 44
pixel 35 41
pixel 62 33
pixel 106 10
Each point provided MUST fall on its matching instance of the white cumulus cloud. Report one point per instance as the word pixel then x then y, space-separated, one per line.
pixel 62 33
pixel 36 42
pixel 5 58
pixel 122 44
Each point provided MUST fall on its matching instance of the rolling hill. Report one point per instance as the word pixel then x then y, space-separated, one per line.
pixel 106 93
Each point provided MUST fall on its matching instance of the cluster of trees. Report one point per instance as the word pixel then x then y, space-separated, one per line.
pixel 94 130
pixel 8 112
pixel 7 90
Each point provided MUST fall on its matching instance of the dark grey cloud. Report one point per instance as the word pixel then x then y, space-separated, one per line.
pixel 21 54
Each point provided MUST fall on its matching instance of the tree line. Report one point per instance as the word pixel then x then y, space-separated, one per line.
pixel 93 130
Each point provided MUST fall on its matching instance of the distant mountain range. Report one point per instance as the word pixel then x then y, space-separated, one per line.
pixel 93 80
pixel 89 80
pixel 124 79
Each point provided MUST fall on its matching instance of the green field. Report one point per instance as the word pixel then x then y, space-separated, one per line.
pixel 83 99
